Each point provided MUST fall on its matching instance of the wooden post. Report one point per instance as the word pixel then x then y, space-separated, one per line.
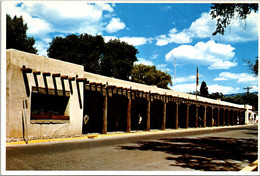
pixel 218 116
pixel 148 114
pixel 224 116
pixel 128 118
pixel 239 117
pixel 228 117
pixel 105 101
pixel 177 115
pixel 205 115
pixel 187 115
pixel 233 121
pixel 197 116
pixel 212 116
pixel 25 121
pixel 164 115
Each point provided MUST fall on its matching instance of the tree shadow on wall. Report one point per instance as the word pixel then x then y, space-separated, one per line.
pixel 208 153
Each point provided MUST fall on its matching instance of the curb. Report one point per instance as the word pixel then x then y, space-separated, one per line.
pixel 251 167
pixel 94 136
pixel 88 137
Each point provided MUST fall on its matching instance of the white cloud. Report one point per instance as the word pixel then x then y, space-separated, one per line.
pixel 107 38
pixel 240 77
pixel 216 55
pixel 184 88
pixel 223 89
pixel 115 25
pixel 144 62
pixel 184 79
pixel 222 65
pixel 254 88
pixel 43 18
pixel 136 41
pixel 154 56
pixel 163 67
pixel 211 88
pixel 173 36
pixel 42 46
pixel 241 31
pixel 204 26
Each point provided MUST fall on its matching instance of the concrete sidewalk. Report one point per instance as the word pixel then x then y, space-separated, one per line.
pixel 124 134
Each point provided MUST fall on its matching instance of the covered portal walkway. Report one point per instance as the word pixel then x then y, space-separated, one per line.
pixel 113 108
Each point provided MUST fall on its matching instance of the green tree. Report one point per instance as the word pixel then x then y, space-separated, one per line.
pixel 204 89
pixel 253 66
pixel 16 37
pixel 151 76
pixel 225 12
pixel 119 58
pixel 216 95
pixel 114 58
pixel 251 99
pixel 81 49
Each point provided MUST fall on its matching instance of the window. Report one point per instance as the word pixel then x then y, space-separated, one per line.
pixel 49 105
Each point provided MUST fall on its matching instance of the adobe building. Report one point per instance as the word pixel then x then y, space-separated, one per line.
pixel 48 98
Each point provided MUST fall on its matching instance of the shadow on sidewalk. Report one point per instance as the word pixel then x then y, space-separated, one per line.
pixel 204 153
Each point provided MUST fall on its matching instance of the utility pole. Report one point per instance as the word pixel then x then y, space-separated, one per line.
pixel 247 93
pixel 248 88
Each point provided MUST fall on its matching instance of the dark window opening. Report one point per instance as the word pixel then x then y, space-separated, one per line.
pixel 49 106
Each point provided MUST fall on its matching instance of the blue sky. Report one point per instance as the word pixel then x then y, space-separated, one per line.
pixel 162 33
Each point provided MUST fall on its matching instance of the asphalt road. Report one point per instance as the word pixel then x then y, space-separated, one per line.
pixel 228 149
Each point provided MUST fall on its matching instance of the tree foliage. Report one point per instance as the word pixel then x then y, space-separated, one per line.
pixel 253 66
pixel 81 49
pixel 114 58
pixel 251 99
pixel 216 95
pixel 225 12
pixel 151 76
pixel 204 89
pixel 119 58
pixel 16 37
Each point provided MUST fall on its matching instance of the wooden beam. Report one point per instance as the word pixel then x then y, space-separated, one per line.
pixel 164 115
pixel 105 106
pixel 37 72
pixel 148 115
pixel 233 119
pixel 205 116
pixel 197 115
pixel 212 116
pixel 128 118
pixel 56 74
pixel 81 80
pixel 46 74
pixel 26 70
pixel 228 123
pixel 224 117
pixel 72 78
pixel 177 115
pixel 187 115
pixel 218 115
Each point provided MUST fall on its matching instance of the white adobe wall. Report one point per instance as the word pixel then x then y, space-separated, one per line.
pixel 16 93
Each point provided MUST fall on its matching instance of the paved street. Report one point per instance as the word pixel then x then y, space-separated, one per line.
pixel 221 150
